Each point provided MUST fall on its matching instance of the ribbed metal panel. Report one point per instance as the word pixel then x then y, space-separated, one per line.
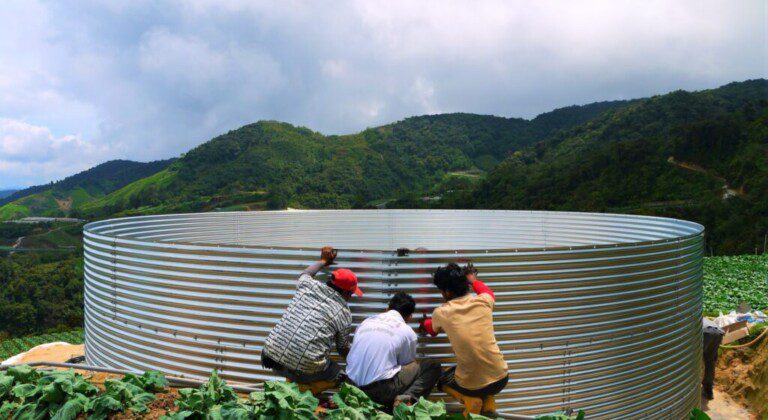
pixel 599 312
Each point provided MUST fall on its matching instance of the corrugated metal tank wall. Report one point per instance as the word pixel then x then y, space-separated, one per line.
pixel 598 312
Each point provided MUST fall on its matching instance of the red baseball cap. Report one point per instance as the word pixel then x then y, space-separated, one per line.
pixel 346 280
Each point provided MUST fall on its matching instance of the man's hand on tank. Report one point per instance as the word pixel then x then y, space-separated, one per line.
pixel 328 255
pixel 471 272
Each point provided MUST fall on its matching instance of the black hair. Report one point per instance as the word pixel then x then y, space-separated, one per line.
pixel 402 302
pixel 341 291
pixel 452 278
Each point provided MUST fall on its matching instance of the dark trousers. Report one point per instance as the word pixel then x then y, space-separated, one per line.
pixel 449 379
pixel 414 380
pixel 712 340
pixel 332 372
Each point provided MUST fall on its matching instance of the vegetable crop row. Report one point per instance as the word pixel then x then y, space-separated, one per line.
pixel 26 393
pixel 728 281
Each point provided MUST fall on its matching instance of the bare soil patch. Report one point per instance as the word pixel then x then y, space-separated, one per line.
pixel 743 375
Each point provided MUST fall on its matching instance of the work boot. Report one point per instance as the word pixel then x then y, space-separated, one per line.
pixel 319 386
pixel 472 405
pixel 403 399
pixel 316 387
pixel 489 407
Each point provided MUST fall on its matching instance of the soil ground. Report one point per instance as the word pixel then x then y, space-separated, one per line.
pixel 743 375
pixel 741 381
pixel 723 407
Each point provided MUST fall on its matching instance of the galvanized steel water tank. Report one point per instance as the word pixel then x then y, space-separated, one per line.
pixel 600 312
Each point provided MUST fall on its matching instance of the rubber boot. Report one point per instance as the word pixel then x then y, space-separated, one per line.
pixel 472 405
pixel 316 387
pixel 319 386
pixel 489 406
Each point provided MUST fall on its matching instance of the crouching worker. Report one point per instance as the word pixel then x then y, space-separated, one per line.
pixel 317 318
pixel 382 361
pixel 481 371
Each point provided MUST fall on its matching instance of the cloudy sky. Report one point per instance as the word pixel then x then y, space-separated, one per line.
pixel 87 81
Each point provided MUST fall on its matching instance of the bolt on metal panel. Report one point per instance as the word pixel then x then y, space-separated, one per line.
pixel 600 312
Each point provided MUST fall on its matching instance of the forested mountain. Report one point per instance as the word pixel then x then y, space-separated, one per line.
pixel 64 197
pixel 701 156
pixel 695 155
pixel 273 165
pixel 6 193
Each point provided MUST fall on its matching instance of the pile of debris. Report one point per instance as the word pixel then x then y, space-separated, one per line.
pixel 738 325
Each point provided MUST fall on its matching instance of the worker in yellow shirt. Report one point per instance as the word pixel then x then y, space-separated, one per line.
pixel 481 371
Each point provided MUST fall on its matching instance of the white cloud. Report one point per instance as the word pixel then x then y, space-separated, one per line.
pixel 34 152
pixel 148 80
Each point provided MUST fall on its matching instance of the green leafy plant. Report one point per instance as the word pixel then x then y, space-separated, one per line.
pixel 131 392
pixel 353 404
pixel 283 400
pixel 27 393
pixel 207 401
pixel 562 415
pixel 426 409
pixel 150 381
pixel 728 281
pixel 697 414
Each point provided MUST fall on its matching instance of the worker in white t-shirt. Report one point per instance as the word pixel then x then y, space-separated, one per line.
pixel 382 360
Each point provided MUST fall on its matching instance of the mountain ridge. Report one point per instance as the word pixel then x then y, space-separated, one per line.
pixel 624 160
pixel 253 163
pixel 619 156
pixel 60 198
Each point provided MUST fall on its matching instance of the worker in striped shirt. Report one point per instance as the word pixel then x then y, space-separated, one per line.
pixel 317 320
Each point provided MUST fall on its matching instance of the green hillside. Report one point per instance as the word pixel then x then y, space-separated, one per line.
pixel 274 165
pixel 701 156
pixel 65 197
pixel 694 155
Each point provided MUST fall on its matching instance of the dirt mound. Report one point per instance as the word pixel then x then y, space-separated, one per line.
pixel 743 374
pixel 51 352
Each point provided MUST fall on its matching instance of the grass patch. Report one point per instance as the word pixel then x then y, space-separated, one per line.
pixel 12 211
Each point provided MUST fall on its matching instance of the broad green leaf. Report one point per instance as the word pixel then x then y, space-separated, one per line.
pixel 139 402
pixel 84 387
pixel 72 408
pixel 344 413
pixel 191 399
pixel 697 414
pixel 56 391
pixel 7 409
pixel 179 415
pixel 30 411
pixel 149 381
pixel 23 373
pixel 6 384
pixel 154 381
pixel 214 413
pixel 24 391
pixel 103 405
pixel 235 411
pixel 303 414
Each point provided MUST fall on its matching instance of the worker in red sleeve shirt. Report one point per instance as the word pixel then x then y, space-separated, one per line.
pixel 481 371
